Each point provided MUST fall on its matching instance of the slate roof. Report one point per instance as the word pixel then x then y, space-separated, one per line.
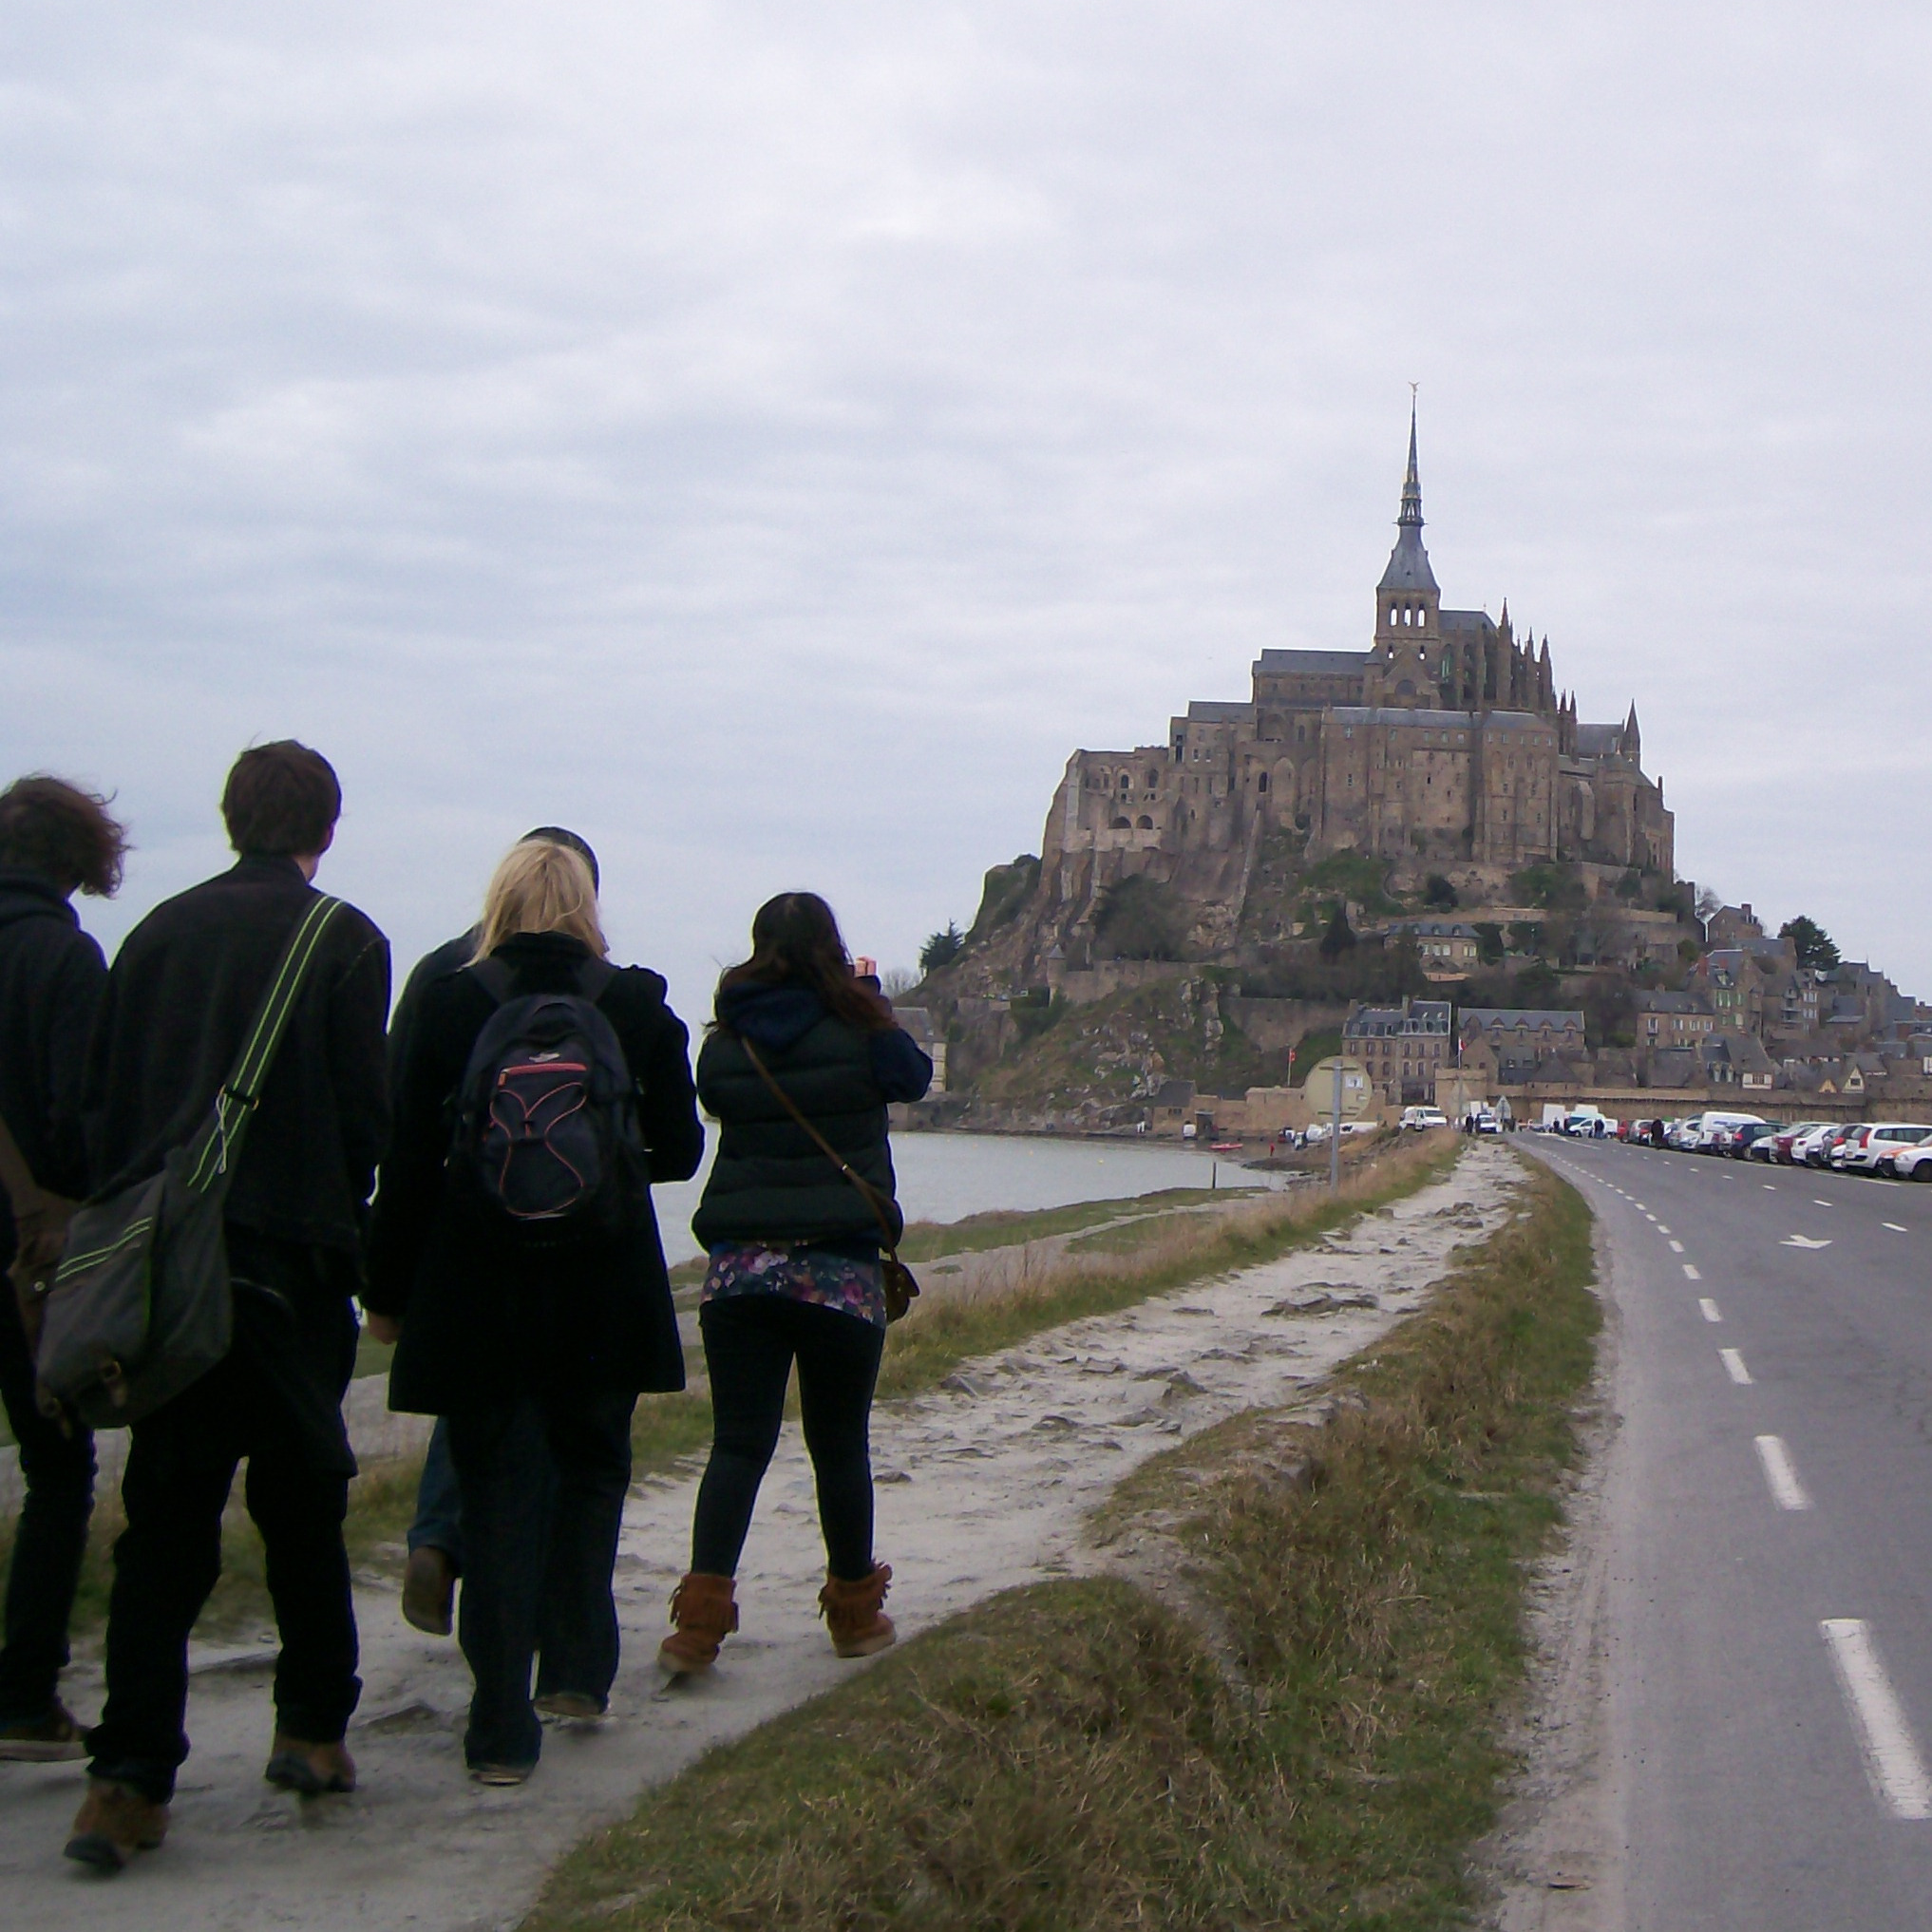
pixel 1219 711
pixel 1491 1018
pixel 1408 563
pixel 1314 663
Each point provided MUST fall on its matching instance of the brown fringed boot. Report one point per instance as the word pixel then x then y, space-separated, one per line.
pixel 858 1626
pixel 705 1612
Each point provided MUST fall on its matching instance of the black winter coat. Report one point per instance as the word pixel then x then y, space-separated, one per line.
pixel 51 979
pixel 770 1182
pixel 179 999
pixel 485 1321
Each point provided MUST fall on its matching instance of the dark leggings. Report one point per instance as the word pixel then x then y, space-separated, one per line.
pixel 750 1342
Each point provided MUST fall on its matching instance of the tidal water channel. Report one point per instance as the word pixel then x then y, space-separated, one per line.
pixel 945 1177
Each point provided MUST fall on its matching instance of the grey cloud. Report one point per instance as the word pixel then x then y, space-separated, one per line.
pixel 774 439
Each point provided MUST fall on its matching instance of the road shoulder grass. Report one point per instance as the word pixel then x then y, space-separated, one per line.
pixel 1304 1728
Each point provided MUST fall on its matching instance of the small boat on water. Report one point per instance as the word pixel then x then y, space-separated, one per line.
pixel 1224 1146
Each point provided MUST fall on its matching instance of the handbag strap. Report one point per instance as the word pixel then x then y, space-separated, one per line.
pixel 218 1146
pixel 869 1193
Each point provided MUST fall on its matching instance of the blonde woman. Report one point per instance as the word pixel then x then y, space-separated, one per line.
pixel 515 1260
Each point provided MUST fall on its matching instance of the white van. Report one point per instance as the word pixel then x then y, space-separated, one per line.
pixel 1419 1119
pixel 1694 1135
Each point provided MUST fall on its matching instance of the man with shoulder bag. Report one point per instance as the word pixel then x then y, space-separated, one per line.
pixel 235 1096
pixel 55 840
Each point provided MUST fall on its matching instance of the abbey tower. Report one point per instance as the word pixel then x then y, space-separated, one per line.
pixel 1444 748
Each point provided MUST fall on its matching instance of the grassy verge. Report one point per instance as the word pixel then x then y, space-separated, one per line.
pixel 1315 1745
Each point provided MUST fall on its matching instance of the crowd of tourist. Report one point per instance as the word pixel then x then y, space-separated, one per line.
pixel 475 1172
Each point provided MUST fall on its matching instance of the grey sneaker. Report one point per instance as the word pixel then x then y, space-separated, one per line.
pixel 570 1707
pixel 55 1738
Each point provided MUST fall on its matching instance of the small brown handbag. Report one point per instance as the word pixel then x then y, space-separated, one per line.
pixel 901 1289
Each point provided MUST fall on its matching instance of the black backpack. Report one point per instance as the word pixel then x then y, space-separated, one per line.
pixel 547 1116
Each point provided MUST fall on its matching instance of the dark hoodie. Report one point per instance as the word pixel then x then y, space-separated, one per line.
pixel 770 1182
pixel 51 977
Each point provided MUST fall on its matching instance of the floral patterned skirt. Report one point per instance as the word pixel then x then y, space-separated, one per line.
pixel 806 1274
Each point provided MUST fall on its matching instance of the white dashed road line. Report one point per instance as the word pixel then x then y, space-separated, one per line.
pixel 1895 1227
pixel 1708 1309
pixel 1816 1203
pixel 1677 1247
pixel 1787 1492
pixel 1733 1367
pixel 1691 1274
pixel 1898 1779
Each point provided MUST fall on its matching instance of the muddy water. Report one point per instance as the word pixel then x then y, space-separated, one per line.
pixel 945 1177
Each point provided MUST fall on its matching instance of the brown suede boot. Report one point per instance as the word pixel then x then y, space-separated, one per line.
pixel 858 1626
pixel 706 1613
pixel 115 1823
pixel 308 1769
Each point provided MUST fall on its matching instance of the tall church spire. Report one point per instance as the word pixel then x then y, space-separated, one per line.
pixel 1412 484
pixel 1409 562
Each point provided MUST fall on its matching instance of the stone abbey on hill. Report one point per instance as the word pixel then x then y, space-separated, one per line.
pixel 1444 748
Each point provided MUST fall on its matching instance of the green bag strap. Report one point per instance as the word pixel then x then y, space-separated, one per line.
pixel 218 1145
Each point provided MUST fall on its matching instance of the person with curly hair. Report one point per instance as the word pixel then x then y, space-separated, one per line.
pixel 56 839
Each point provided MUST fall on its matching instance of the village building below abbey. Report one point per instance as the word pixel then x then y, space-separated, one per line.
pixel 1444 748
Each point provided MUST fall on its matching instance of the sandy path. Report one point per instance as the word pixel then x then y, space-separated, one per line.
pixel 984 1484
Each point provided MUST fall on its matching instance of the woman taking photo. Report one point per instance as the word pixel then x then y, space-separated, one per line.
pixel 515 1260
pixel 795 1273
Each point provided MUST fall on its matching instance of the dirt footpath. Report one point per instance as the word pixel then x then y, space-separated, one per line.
pixel 983 1485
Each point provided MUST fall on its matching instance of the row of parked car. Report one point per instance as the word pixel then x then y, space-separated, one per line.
pixel 1892 1149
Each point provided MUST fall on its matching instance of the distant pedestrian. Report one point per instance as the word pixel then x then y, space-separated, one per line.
pixel 435 1537
pixel 514 1261
pixel 794 1271
pixel 55 840
pixel 181 996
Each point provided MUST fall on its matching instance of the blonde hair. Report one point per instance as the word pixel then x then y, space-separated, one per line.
pixel 539 888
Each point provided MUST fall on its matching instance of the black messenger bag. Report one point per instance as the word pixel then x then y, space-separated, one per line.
pixel 141 1306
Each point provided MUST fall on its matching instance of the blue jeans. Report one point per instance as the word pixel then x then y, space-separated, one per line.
pixel 543 1486
pixel 439 1501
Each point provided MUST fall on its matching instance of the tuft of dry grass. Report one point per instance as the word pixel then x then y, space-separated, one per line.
pixel 1315 1746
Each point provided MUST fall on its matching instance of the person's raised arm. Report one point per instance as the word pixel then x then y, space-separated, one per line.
pixel 666 1113
pixel 900 1070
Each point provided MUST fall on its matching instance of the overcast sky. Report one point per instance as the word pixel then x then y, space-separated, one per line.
pixel 771 438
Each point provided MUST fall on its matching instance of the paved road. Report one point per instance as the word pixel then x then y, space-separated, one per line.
pixel 1770 1517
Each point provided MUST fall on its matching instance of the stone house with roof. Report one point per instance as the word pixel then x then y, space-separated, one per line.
pixel 1672 1019
pixel 1517 1041
pixel 1403 1048
pixel 1449 949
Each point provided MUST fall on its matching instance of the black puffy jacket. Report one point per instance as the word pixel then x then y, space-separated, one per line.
pixel 770 1182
